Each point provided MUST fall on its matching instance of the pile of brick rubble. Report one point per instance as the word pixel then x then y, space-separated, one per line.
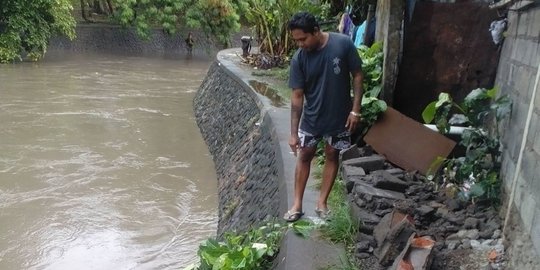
pixel 406 222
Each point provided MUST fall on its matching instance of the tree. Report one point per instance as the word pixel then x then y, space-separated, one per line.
pixel 97 6
pixel 270 19
pixel 27 25
pixel 217 18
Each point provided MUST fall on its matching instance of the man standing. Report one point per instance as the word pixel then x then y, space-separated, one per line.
pixel 321 104
pixel 189 43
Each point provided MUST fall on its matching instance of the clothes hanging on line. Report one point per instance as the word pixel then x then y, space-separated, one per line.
pixel 346 26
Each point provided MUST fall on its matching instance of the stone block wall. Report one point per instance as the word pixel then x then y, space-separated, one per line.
pixel 517 76
pixel 242 141
pixel 110 38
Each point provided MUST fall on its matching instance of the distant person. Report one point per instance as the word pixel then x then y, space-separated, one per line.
pixel 189 43
pixel 321 104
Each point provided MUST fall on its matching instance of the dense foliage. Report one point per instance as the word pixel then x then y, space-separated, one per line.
pixel 372 107
pixel 477 173
pixel 27 25
pixel 270 19
pixel 217 18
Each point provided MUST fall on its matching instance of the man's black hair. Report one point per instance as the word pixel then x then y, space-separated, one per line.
pixel 304 21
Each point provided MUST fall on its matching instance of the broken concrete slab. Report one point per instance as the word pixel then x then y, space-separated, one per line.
pixel 350 153
pixel 369 163
pixel 425 210
pixel 366 189
pixel 435 204
pixel 351 180
pixel 364 216
pixel 353 171
pixel 385 180
pixel 366 228
pixel 392 235
pixel 407 143
pixel 397 172
pixel 348 173
pixel 366 237
pixel 417 255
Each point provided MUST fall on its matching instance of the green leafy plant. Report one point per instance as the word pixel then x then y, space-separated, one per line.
pixel 217 18
pixel 473 111
pixel 372 60
pixel 254 249
pixel 302 227
pixel 371 110
pixel 372 107
pixel 477 173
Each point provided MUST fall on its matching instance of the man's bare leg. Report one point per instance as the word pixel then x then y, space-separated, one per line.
pixel 301 175
pixel 330 170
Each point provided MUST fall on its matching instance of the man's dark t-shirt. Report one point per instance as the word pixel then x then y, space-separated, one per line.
pixel 325 77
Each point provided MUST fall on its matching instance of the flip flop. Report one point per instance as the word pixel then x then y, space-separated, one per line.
pixel 322 213
pixel 292 216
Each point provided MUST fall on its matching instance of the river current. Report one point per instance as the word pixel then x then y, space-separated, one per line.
pixel 102 165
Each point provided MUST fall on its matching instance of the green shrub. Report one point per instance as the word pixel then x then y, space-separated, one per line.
pixel 253 250
pixel 372 107
pixel 477 173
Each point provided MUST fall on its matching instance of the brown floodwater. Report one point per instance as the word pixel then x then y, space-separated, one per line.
pixel 102 165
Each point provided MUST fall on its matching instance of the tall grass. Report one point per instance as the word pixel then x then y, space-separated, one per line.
pixel 341 227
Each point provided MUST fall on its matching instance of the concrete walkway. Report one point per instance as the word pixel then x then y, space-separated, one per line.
pixel 296 253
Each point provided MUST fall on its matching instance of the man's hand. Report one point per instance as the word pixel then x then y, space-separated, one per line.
pixel 294 143
pixel 352 122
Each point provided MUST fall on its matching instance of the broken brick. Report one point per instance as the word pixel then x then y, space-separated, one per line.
pixel 392 235
pixel 417 254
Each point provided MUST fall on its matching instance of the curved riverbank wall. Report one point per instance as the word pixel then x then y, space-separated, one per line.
pixel 110 38
pixel 245 149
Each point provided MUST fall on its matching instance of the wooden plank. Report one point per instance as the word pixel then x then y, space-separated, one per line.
pixel 407 143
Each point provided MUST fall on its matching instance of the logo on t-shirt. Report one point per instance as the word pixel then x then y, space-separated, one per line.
pixel 337 69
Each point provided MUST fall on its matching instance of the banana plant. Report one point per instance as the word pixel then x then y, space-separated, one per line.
pixel 270 19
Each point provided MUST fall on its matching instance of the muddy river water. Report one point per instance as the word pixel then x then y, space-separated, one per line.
pixel 102 165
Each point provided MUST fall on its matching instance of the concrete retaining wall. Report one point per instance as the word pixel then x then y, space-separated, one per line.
pixel 109 38
pixel 241 139
pixel 516 76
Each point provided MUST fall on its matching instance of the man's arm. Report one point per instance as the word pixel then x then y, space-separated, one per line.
pixel 354 116
pixel 297 103
pixel 358 78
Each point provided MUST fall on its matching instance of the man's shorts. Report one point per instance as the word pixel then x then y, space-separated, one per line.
pixel 340 141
